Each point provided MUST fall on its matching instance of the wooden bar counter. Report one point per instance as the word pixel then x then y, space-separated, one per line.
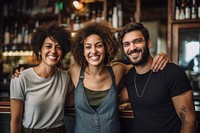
pixel 126 114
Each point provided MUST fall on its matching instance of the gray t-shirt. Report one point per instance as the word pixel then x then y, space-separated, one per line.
pixel 44 98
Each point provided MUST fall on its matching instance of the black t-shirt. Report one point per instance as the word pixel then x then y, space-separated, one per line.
pixel 154 111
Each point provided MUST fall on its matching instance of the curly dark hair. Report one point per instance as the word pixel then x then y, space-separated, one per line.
pixel 56 33
pixel 105 32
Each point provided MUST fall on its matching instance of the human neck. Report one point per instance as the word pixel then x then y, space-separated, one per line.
pixel 44 71
pixel 95 70
pixel 145 67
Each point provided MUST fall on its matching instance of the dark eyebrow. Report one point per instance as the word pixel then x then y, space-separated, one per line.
pixel 95 43
pixel 137 39
pixel 48 43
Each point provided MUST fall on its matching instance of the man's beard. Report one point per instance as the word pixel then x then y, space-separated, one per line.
pixel 143 60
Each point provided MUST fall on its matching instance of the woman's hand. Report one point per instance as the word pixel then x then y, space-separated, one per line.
pixel 159 62
pixel 17 73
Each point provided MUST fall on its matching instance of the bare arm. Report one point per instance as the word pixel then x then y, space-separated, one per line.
pixel 16 115
pixel 74 72
pixel 123 95
pixel 70 95
pixel 184 106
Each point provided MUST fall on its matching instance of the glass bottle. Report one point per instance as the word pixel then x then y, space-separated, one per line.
pixel 198 9
pixel 193 10
pixel 115 18
pixel 6 34
pixel 182 11
pixel 187 9
pixel 177 10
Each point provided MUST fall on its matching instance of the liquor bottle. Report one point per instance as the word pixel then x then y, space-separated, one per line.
pixel 72 18
pixel 56 8
pixel 120 14
pixel 193 10
pixel 7 35
pixel 11 33
pixel 177 10
pixel 15 33
pixel 87 17
pixel 115 18
pixel 30 32
pixel 81 21
pixel 26 34
pixel 76 24
pixel 93 15
pixel 199 9
pixel 187 9
pixel 37 24
pixel 19 34
pixel 182 11
pixel 5 9
pixel 110 16
pixel 98 17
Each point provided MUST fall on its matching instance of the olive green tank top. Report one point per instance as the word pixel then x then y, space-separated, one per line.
pixel 95 98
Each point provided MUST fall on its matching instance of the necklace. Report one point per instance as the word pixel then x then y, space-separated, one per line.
pixel 136 89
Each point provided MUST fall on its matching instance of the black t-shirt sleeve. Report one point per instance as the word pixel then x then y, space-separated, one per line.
pixel 177 79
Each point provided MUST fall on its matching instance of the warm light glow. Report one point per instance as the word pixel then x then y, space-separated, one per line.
pixel 78 5
pixel 18 53
pixel 73 33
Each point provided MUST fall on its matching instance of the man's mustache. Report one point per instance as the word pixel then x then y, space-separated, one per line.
pixel 134 51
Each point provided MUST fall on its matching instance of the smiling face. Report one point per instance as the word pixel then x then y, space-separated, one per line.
pixel 135 47
pixel 94 50
pixel 51 52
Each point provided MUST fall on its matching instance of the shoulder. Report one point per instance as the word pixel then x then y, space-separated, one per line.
pixel 27 73
pixel 173 73
pixel 74 72
pixel 171 64
pixel 63 72
pixel 28 70
pixel 130 73
pixel 172 67
pixel 75 68
pixel 119 67
pixel 24 77
pixel 118 64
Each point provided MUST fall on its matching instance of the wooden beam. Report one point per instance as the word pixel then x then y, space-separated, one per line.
pixel 138 11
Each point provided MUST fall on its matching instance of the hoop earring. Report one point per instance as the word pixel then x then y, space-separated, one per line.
pixel 39 57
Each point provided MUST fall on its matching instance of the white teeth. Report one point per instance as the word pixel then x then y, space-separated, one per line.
pixel 94 57
pixel 52 57
pixel 134 54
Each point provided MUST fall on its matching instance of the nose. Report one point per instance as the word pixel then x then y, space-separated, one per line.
pixel 53 49
pixel 93 49
pixel 132 46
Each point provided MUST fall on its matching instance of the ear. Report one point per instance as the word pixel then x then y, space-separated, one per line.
pixel 149 43
pixel 39 58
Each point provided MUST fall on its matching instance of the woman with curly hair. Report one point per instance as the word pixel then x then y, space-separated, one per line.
pixel 96 81
pixel 38 95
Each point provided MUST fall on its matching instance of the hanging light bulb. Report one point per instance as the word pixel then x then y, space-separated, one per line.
pixel 78 5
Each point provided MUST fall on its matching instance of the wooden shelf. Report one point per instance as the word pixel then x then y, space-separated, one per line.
pixel 14 47
pixel 185 21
